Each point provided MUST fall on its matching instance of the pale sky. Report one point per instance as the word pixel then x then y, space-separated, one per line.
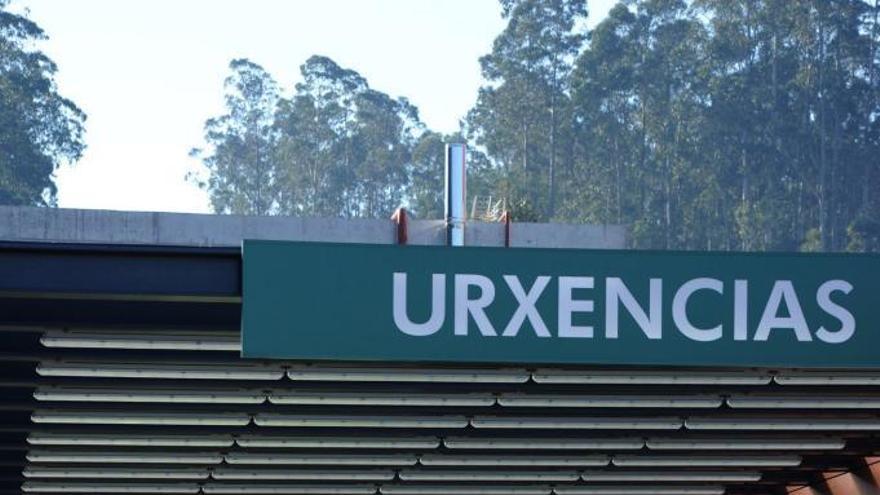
pixel 149 73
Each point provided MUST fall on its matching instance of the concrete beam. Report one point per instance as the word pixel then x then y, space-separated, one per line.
pixel 58 225
pixel 872 465
pixel 847 484
pixel 804 490
pixel 863 479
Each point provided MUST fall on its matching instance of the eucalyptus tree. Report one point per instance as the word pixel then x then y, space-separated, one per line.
pixel 385 132
pixel 794 118
pixel 606 110
pixel 670 94
pixel 39 129
pixel 240 158
pixel 521 117
pixel 315 127
pixel 835 88
pixel 731 124
pixel 425 193
pixel 344 148
pixel 701 124
pixel 638 102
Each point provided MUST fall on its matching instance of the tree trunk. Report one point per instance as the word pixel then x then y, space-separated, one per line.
pixel 617 185
pixel 551 200
pixel 872 63
pixel 824 207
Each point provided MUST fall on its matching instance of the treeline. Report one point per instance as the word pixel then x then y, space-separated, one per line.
pixel 704 124
pixel 39 128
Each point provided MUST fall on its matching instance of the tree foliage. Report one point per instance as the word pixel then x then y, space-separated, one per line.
pixel 731 124
pixel 39 129
pixel 243 176
pixel 700 124
pixel 522 117
pixel 335 147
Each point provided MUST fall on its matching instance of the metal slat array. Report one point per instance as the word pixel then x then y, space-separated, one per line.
pixel 163 411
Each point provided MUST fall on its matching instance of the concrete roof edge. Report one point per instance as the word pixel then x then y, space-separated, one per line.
pixel 63 225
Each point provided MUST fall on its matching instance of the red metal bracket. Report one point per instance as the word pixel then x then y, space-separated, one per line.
pixel 505 217
pixel 399 217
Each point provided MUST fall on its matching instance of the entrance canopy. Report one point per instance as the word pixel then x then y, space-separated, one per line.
pixel 121 373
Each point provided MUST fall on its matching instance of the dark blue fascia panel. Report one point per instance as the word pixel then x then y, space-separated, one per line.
pixel 119 272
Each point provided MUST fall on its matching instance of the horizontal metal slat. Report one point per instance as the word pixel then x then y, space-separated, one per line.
pixel 129 440
pixel 424 489
pixel 799 422
pixel 71 487
pixel 141 473
pixel 381 399
pixel 611 401
pixel 289 489
pixel 192 370
pixel 124 457
pixel 336 442
pixel 677 476
pixel 181 340
pixel 225 473
pixel 251 458
pixel 645 377
pixel 482 476
pixel 580 422
pixel 815 401
pixel 514 460
pixel 746 461
pixel 539 443
pixel 139 418
pixel 827 378
pixel 168 395
pixel 423 375
pixel 740 443
pixel 640 490
pixel 290 420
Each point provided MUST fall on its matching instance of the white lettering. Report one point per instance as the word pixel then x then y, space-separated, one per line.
pixel 679 309
pixel 783 291
pixel 526 307
pixel 438 306
pixel 474 294
pixel 740 310
pixel 465 306
pixel 847 322
pixel 616 292
pixel 567 306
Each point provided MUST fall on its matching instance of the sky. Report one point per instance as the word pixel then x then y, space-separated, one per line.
pixel 149 73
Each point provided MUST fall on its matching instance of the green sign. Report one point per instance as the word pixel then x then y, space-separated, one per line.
pixel 383 303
